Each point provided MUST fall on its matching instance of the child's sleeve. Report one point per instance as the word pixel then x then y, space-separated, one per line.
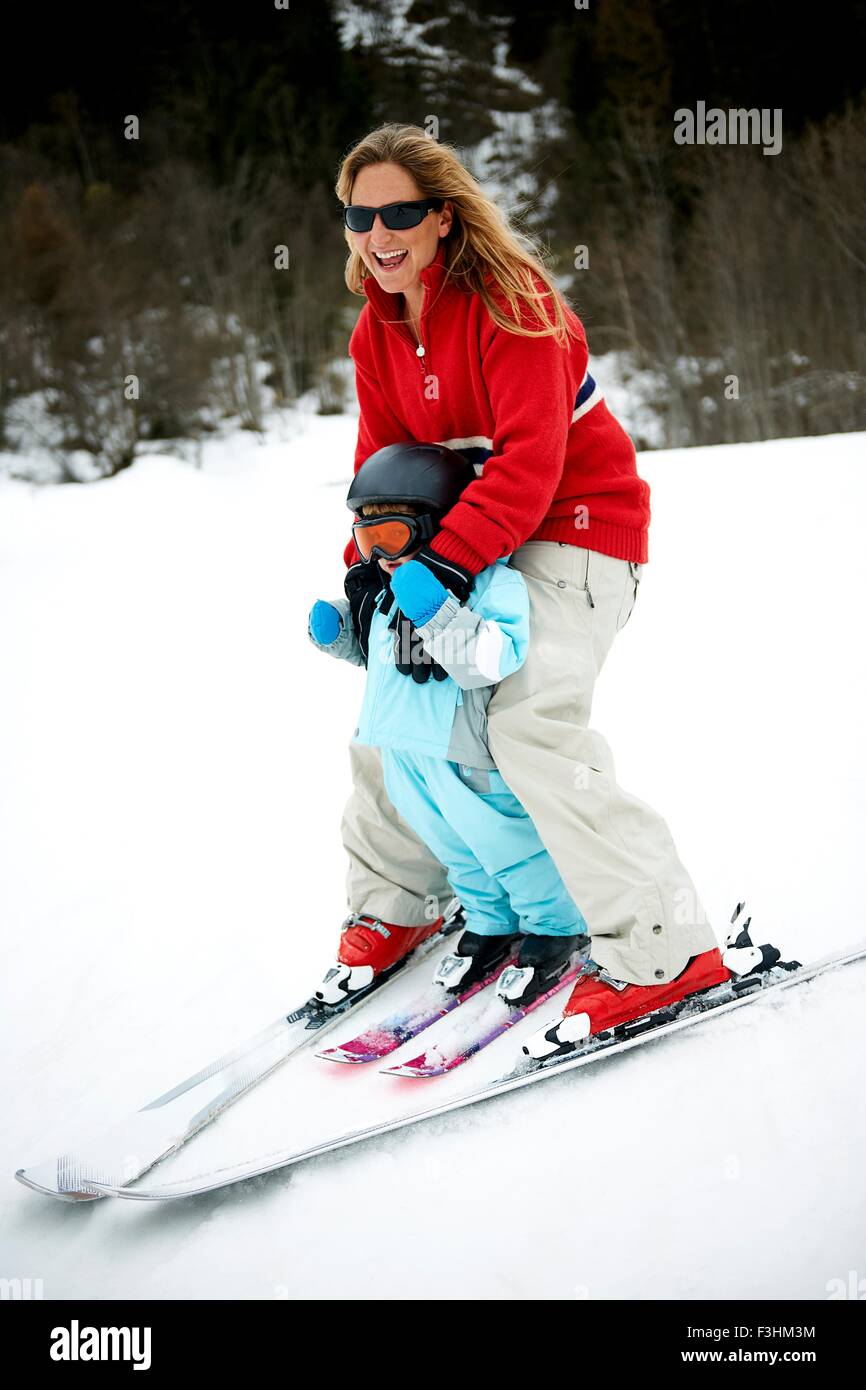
pixel 482 645
pixel 345 645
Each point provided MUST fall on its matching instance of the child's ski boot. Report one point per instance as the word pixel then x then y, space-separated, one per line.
pixel 475 957
pixel 541 961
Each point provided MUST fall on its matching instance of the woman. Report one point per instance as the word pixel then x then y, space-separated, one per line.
pixel 464 341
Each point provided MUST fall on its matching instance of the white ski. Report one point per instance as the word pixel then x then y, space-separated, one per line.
pixel 692 1010
pixel 126 1150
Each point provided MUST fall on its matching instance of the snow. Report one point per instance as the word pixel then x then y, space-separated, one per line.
pixel 172 770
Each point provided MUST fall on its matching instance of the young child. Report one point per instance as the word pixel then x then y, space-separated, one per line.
pixel 437 766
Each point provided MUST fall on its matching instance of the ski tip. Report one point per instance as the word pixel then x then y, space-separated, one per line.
pixel 342 1054
pixel 416 1070
pixel 414 1073
pixel 28 1179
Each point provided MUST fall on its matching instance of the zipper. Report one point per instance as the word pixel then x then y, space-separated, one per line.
pixel 376 690
pixel 418 349
pixel 590 600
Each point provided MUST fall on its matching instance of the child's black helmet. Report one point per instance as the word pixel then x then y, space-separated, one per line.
pixel 430 475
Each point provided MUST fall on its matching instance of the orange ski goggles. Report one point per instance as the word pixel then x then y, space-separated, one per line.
pixel 391 536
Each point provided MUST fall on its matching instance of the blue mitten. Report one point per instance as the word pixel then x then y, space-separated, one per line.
pixel 325 623
pixel 418 592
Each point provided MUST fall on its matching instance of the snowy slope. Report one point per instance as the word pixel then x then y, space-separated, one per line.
pixel 172 768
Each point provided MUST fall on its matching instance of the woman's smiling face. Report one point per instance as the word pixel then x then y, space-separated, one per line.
pixel 375 186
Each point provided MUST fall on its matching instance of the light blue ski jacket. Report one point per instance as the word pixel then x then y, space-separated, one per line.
pixel 478 643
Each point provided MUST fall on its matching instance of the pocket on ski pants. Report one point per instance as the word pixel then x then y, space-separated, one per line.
pixel 629 593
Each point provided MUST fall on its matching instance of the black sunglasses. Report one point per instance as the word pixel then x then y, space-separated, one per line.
pixel 396 216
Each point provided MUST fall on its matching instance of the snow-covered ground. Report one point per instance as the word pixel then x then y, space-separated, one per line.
pixel 172 770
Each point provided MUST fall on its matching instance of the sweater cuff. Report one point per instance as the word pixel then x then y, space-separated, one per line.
pixel 451 547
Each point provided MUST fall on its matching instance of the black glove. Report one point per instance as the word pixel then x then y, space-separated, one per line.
pixel 410 658
pixel 453 576
pixel 361 585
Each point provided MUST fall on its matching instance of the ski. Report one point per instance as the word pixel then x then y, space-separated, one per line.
pixel 126 1150
pixel 423 1011
pixel 689 1012
pixel 497 1018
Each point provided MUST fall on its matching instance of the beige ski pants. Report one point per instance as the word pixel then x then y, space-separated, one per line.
pixel 614 853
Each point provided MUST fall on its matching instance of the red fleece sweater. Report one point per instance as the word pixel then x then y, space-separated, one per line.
pixel 553 462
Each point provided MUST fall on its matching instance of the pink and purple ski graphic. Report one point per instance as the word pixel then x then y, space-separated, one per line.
pixel 465 1041
pixel 427 1008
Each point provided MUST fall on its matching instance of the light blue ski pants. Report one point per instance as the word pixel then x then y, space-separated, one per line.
pixel 494 859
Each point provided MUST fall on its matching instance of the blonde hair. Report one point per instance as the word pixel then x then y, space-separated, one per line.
pixel 483 254
pixel 371 509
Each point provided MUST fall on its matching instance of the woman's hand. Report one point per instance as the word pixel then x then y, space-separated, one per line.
pixel 325 623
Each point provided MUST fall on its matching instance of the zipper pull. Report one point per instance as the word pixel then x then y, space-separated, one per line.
pixel 419 351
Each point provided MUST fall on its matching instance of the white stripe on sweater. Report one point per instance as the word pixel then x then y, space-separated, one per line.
pixel 591 400
pixel 474 441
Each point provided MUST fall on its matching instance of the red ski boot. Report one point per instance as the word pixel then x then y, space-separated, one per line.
pixel 368 948
pixel 598 1003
